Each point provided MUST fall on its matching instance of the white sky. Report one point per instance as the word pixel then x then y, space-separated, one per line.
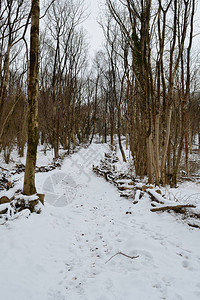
pixel 95 34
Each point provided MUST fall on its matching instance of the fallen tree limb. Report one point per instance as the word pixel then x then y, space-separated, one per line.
pixel 103 173
pixel 155 196
pixel 125 188
pixel 121 253
pixel 177 208
pixel 3 169
pixel 194 225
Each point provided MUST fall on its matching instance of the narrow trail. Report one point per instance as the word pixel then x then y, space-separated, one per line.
pixel 62 253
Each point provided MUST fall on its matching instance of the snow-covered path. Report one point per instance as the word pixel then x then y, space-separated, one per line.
pixel 62 253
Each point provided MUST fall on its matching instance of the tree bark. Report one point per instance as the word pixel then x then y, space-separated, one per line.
pixel 29 177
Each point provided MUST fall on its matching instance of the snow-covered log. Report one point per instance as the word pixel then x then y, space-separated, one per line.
pixel 176 208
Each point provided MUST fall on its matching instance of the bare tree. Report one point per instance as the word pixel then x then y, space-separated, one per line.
pixel 29 177
pixel 155 75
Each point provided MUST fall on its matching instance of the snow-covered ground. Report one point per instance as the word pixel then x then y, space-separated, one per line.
pixel 65 253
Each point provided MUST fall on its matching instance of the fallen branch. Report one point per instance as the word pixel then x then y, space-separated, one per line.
pixel 155 196
pixel 121 253
pixel 3 169
pixel 177 208
pixel 102 173
pixel 194 225
pixel 125 188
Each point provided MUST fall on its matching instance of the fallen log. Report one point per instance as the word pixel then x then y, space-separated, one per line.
pixel 3 211
pixel 176 208
pixel 4 199
pixel 194 225
pixel 125 188
pixel 155 196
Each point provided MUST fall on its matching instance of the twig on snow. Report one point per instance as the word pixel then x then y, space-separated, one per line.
pixel 121 253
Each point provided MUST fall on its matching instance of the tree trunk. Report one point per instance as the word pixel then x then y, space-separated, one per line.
pixel 149 158
pixel 163 165
pixel 29 177
pixel 119 134
pixel 157 148
pixel 186 154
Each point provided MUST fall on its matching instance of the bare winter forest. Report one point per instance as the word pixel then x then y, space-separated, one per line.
pixel 143 85
pixel 72 123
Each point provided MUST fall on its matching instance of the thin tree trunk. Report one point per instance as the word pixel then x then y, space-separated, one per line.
pixel 119 134
pixel 186 153
pixel 157 152
pixel 150 158
pixel 95 110
pixel 163 164
pixel 58 130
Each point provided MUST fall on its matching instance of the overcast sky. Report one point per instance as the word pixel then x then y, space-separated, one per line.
pixel 95 34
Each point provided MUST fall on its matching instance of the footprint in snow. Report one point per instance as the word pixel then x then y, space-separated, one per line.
pixel 167 280
pixel 185 264
pixel 118 240
pixel 55 295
